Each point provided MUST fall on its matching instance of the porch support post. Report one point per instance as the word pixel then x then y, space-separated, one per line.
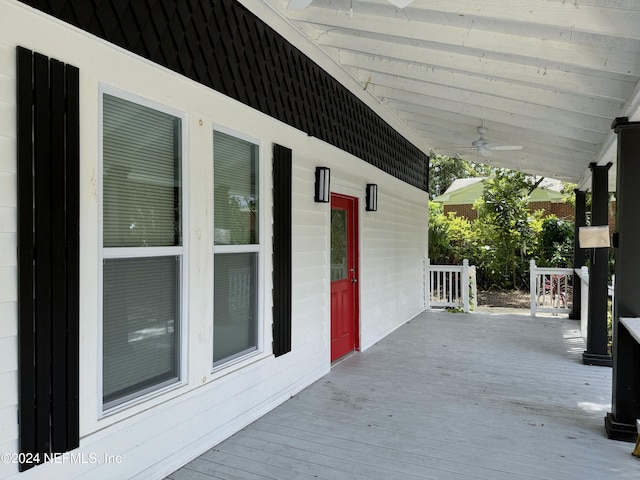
pixel 620 423
pixel 579 256
pixel 597 351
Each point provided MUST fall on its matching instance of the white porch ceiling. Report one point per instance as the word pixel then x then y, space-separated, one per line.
pixel 549 75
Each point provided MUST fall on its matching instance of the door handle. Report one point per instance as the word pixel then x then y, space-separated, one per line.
pixel 354 280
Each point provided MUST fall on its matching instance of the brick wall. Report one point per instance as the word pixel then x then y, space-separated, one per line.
pixel 462 210
pixel 560 210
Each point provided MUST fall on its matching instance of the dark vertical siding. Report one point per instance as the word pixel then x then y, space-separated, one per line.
pixel 282 170
pixel 58 260
pixel 48 254
pixel 72 199
pixel 26 253
pixel 43 284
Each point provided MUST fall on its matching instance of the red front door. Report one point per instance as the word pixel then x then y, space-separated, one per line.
pixel 344 275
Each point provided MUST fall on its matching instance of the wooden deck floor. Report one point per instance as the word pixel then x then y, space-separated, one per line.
pixel 446 396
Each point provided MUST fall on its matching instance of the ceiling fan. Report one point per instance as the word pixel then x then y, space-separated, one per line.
pixel 484 146
pixel 300 4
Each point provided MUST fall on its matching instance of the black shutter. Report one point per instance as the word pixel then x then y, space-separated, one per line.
pixel 48 254
pixel 282 166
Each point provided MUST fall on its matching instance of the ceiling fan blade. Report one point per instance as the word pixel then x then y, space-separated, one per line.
pixel 504 147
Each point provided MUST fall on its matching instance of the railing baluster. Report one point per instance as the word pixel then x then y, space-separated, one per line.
pixel 551 290
pixel 448 285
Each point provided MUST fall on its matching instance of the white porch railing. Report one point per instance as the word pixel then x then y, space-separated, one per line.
pixel 551 289
pixel 451 286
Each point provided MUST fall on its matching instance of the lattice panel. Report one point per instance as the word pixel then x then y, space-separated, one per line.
pixel 222 45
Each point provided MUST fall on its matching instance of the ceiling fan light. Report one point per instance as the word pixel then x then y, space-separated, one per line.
pixel 400 3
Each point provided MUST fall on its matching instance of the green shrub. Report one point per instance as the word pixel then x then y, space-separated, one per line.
pixel 504 238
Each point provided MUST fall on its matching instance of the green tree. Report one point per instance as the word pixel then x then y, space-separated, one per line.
pixel 504 212
pixel 555 246
pixel 443 170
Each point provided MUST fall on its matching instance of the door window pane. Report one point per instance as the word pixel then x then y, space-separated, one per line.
pixel 338 245
pixel 235 305
pixel 142 181
pixel 235 190
pixel 141 319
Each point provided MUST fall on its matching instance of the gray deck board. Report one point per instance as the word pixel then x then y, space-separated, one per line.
pixel 446 396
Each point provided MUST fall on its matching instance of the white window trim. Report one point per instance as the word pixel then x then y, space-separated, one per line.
pixel 242 359
pixel 140 252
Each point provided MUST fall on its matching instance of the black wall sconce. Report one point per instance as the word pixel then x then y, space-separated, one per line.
pixel 372 197
pixel 323 189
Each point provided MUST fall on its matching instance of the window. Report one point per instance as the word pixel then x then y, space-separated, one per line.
pixel 142 249
pixel 236 247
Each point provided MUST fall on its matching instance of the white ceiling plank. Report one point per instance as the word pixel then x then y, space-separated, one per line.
pixel 549 53
pixel 561 15
pixel 452 143
pixel 462 79
pixel 387 73
pixel 494 121
pixel 535 75
pixel 607 17
pixel 506 134
pixel 400 90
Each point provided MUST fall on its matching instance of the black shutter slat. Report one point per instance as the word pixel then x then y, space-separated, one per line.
pixel 58 262
pixel 282 272
pixel 42 140
pixel 26 366
pixel 73 254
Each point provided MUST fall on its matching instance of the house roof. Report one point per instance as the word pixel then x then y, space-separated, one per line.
pixel 467 190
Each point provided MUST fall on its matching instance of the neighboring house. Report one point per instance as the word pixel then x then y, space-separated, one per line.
pixel 463 192
pixel 175 279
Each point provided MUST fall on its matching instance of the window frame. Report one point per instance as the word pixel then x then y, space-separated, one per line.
pixel 221 365
pixel 106 253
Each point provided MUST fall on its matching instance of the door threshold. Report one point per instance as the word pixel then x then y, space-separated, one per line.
pixel 343 358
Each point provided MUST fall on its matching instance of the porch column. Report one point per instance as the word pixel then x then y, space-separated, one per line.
pixel 579 256
pixel 625 403
pixel 597 352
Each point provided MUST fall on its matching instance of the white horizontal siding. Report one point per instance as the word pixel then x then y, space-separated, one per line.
pixel 157 436
pixel 8 469
pixel 8 260
pixel 8 249
pixel 7 118
pixel 310 260
pixel 394 243
pixel 9 382
pixel 8 189
pixel 8 424
pixel 8 156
